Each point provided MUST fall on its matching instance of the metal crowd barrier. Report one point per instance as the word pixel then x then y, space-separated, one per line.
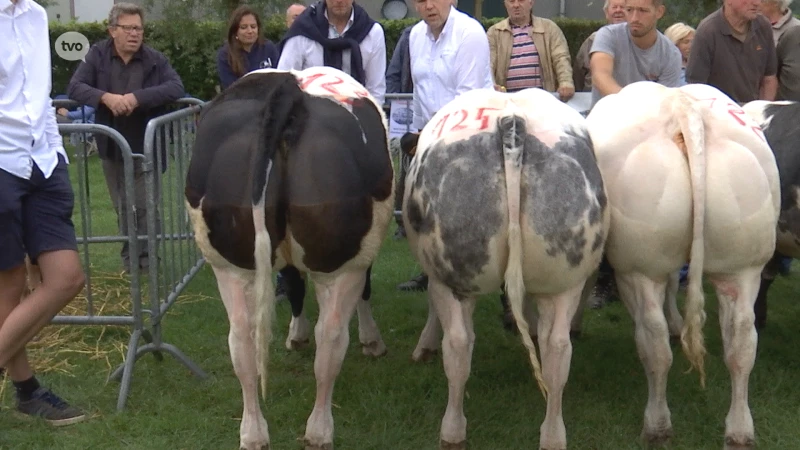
pixel 173 256
pixel 404 120
pixel 159 267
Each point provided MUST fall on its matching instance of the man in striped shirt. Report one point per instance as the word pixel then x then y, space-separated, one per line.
pixel 529 52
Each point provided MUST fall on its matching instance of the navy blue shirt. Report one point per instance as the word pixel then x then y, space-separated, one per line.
pixel 260 56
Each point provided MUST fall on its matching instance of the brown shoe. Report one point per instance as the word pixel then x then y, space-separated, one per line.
pixel 418 283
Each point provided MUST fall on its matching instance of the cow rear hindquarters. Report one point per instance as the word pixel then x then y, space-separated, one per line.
pixel 513 128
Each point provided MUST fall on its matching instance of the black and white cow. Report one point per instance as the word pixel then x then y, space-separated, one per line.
pixel 779 120
pixel 291 169
pixel 504 190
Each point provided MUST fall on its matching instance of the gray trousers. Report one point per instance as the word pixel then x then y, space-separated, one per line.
pixel 115 180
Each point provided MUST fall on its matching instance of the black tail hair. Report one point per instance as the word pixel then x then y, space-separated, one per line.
pixel 282 121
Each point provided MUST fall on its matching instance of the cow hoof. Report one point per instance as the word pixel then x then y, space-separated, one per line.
pixel 657 438
pixel 424 356
pixel 444 445
pixel 297 345
pixel 254 447
pixel 375 349
pixel 739 443
pixel 309 446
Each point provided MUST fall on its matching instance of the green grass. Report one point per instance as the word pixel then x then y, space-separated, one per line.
pixel 392 403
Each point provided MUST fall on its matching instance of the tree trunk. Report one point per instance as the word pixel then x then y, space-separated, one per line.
pixel 478 9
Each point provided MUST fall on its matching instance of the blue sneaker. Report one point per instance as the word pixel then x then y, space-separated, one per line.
pixel 50 407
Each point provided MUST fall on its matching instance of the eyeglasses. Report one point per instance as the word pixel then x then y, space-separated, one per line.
pixel 130 29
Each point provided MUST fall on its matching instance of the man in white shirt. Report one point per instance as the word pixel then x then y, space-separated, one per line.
pixel 36 204
pixel 338 34
pixel 449 54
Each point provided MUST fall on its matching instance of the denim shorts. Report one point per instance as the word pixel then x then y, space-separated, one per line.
pixel 35 215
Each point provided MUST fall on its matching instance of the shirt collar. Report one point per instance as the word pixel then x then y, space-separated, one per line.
pixel 785 18
pixel 332 29
pixel 22 6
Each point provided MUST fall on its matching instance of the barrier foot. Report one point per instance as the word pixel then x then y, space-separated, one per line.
pixel 149 339
pixel 125 370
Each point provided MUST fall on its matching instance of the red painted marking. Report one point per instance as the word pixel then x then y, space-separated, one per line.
pixel 735 111
pixel 440 125
pixel 459 126
pixel 329 85
pixel 484 118
pixel 304 82
pixel 735 114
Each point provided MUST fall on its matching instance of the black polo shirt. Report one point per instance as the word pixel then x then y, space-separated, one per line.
pixel 734 65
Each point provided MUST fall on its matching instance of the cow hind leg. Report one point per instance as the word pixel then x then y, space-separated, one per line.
pixel 737 294
pixel 576 325
pixel 368 333
pixel 673 315
pixel 644 299
pixel 457 344
pixel 337 301
pixel 429 339
pixel 555 317
pixel 253 433
pixel 299 327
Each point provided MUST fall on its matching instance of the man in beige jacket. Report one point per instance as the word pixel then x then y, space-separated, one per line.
pixel 528 52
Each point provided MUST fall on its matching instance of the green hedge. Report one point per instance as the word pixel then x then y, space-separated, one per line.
pixel 192 46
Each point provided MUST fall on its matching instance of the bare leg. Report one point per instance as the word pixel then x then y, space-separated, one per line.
pixel 12 286
pixel 644 299
pixel 737 295
pixel 556 313
pixel 237 295
pixel 62 280
pixel 337 301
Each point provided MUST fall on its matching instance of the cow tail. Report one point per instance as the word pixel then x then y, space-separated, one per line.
pixel 512 128
pixel 282 120
pixel 692 127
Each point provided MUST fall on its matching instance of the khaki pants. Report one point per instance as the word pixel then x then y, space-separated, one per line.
pixel 115 179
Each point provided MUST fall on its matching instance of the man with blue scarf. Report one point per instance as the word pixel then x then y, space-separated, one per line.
pixel 338 34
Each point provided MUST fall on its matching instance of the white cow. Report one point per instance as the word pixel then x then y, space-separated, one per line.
pixel 504 188
pixel 689 177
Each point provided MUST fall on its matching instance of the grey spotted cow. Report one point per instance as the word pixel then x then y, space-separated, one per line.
pixel 504 190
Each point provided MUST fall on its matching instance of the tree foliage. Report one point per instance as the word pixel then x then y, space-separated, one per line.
pixel 690 12
pixel 182 11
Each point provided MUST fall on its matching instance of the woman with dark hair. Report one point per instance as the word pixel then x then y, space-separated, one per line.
pixel 245 50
